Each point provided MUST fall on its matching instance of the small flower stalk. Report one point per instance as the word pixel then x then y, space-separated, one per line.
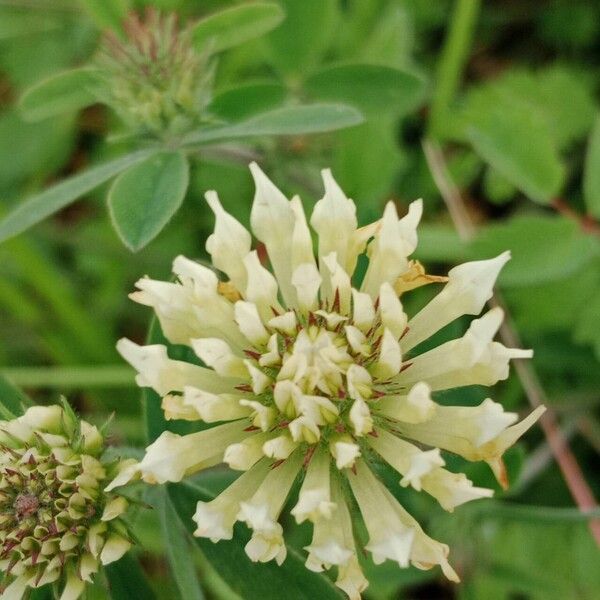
pixel 314 375
pixel 57 524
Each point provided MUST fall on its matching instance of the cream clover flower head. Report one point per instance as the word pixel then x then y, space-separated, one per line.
pixel 312 375
pixel 57 524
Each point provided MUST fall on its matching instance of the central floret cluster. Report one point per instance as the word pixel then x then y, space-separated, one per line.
pixel 314 373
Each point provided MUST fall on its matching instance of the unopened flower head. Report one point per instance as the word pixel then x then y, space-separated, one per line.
pixel 314 374
pixel 57 524
pixel 154 79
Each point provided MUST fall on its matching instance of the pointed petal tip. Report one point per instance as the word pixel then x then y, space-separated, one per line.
pixel 212 198
pixel 124 347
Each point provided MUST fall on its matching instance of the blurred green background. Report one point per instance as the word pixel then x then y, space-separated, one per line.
pixel 506 91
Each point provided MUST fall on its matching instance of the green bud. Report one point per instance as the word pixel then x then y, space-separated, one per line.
pixel 155 80
pixel 57 522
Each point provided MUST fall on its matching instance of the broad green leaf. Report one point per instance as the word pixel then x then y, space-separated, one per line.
pixel 236 25
pixel 557 305
pixel 587 329
pixel 519 146
pixel 241 102
pixel 300 42
pixel 178 549
pixel 392 40
pixel 566 99
pixel 107 13
pixel 544 248
pixel 143 199
pixel 366 159
pixel 38 207
pixel 591 177
pixel 64 92
pixel 252 581
pixel 126 580
pixel 14 24
pixel 289 120
pixel 372 88
pixel 36 149
pixel 497 188
pixel 154 417
pixel 559 96
pixel 12 399
pixel 440 243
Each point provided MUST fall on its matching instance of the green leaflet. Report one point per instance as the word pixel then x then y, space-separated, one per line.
pixel 143 198
pixel 235 26
pixel 42 205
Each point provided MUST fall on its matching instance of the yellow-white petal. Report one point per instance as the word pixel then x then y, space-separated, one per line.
pixel 215 519
pixel 332 542
pixel 302 247
pixel 217 354
pixel 215 407
pixel 351 579
pixel 390 358
pixel 359 382
pixel 306 280
pixel 395 240
pixel 392 314
pixel 229 243
pixel 344 451
pixel 360 418
pixel 262 510
pixel 114 508
pixel 114 548
pixel 357 340
pixel 74 587
pixel 469 431
pixel 472 359
pixel 389 537
pixel 262 416
pixel 280 447
pixel 272 221
pixel 468 289
pixel 128 470
pixel 416 407
pixel 250 323
pixel 334 220
pixel 285 323
pixel 336 290
pixel 314 499
pixel 363 311
pixel 262 288
pixel 156 370
pixel 171 457
pixel 243 455
pixel 258 380
pixel 304 429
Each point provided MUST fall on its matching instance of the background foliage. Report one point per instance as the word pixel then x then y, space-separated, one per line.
pixel 508 89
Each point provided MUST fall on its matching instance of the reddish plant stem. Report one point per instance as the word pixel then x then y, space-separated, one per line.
pixel 587 223
pixel 559 445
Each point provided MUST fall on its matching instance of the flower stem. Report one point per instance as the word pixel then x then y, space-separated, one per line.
pixel 108 376
pixel 453 58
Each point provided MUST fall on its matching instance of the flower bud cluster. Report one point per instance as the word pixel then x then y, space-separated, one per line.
pixel 155 80
pixel 56 522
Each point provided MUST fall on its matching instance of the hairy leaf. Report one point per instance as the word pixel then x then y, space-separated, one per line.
pixel 372 88
pixel 289 120
pixel 236 25
pixel 42 205
pixel 64 92
pixel 143 199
